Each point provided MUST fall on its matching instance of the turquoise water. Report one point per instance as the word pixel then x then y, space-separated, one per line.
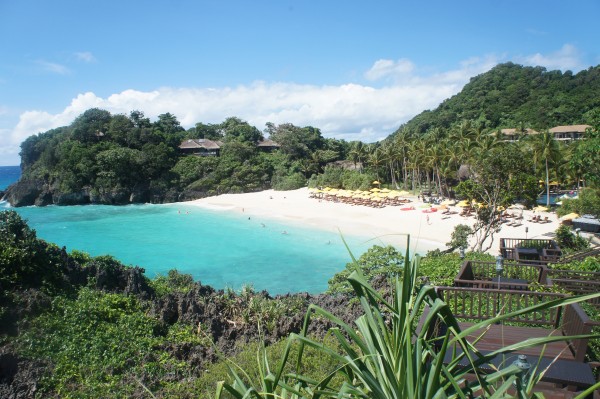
pixel 219 248
pixel 554 198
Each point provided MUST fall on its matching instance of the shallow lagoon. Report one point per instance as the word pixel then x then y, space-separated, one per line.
pixel 219 248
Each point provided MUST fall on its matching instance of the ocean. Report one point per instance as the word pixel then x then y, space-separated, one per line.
pixel 9 175
pixel 218 248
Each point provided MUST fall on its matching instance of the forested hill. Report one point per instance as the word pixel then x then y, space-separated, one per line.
pixel 514 96
pixel 118 159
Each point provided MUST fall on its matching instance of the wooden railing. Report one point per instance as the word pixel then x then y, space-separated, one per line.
pixel 483 304
pixel 580 255
pixel 547 250
pixel 473 304
pixel 576 322
pixel 577 282
pixel 478 274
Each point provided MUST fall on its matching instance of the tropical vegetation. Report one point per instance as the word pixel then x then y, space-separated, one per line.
pixel 65 316
pixel 116 159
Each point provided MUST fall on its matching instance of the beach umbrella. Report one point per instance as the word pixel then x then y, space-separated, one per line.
pixel 569 216
pixel 540 209
pixel 376 182
pixel 463 204
pixel 375 189
pixel 404 192
pixel 448 202
pixel 517 206
pixel 385 190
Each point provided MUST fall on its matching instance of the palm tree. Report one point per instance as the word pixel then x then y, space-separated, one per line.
pixel 390 154
pixel 401 141
pixel 545 148
pixel 358 153
pixel 375 159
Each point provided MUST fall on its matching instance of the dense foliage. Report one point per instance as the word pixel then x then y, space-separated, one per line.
pixel 511 95
pixel 83 339
pixel 587 203
pixel 377 261
pixel 116 159
pixel 568 241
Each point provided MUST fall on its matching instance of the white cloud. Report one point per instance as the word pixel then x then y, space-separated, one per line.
pixel 349 111
pixel 85 56
pixel 53 67
pixel 566 58
pixel 390 69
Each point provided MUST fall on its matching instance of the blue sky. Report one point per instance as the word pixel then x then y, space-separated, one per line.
pixel 354 69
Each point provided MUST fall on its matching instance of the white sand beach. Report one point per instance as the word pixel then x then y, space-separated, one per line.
pixel 384 225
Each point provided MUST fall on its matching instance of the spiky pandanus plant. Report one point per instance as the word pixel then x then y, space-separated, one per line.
pixel 391 353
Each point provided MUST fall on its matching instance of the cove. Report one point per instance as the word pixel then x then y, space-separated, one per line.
pixel 218 248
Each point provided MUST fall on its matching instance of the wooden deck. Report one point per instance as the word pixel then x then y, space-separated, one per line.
pixel 564 361
pixel 498 336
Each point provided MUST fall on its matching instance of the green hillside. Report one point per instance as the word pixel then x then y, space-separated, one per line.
pixel 510 96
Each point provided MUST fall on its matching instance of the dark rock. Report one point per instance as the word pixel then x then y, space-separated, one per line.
pixel 19 378
pixel 24 192
pixel 73 198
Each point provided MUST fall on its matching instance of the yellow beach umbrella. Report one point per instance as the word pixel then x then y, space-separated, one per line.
pixel 540 209
pixel 463 204
pixel 376 182
pixel 570 216
pixel 385 190
pixel 375 189
pixel 404 192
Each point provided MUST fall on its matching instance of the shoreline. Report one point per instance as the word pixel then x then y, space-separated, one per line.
pixel 388 225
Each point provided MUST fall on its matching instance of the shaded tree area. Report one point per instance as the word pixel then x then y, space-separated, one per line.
pixel 118 159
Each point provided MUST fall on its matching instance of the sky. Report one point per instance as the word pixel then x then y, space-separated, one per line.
pixel 356 70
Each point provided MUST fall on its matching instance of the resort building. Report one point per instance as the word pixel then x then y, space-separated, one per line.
pixel 268 145
pixel 560 133
pixel 569 133
pixel 200 147
pixel 210 148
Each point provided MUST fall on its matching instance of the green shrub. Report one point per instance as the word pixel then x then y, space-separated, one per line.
pixel 376 261
pixel 568 241
pixel 289 182
pixel 442 269
pixel 173 282
pixel 100 344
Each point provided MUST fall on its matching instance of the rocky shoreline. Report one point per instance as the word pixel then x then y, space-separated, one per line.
pixel 40 193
